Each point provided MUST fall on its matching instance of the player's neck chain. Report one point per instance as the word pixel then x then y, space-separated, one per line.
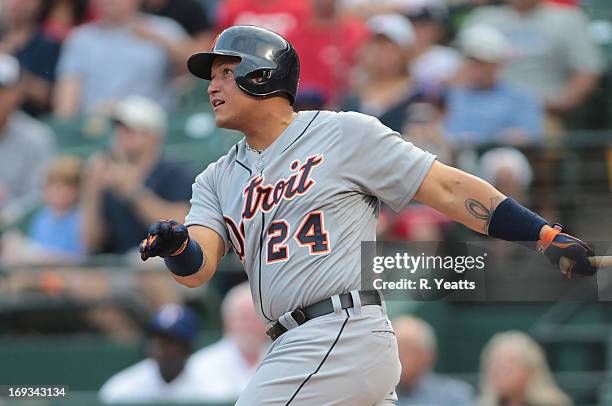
pixel 250 148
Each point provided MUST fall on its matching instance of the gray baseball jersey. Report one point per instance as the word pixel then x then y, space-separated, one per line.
pixel 296 214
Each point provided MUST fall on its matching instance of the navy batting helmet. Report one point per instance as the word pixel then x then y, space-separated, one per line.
pixel 268 63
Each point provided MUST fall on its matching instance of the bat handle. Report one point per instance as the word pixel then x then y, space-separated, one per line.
pixel 566 264
pixel 601 261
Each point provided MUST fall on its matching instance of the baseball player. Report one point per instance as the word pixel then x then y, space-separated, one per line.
pixel 294 199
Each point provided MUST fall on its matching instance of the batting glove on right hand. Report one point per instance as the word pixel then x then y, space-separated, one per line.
pixel 166 238
pixel 556 245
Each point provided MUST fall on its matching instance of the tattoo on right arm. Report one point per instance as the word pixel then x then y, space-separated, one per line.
pixel 481 212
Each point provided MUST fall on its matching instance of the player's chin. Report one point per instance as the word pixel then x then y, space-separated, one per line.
pixel 222 120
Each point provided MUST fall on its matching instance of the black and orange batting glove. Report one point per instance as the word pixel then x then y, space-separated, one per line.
pixel 166 238
pixel 555 244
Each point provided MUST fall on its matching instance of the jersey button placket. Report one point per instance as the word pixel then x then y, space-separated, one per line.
pixel 259 164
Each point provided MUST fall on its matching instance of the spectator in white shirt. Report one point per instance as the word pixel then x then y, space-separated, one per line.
pixel 226 366
pixel 163 377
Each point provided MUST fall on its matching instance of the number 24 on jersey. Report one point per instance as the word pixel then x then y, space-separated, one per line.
pixel 310 235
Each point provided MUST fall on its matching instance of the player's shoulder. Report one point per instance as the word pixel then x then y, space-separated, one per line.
pixel 351 120
pixel 354 124
pixel 328 115
pixel 341 125
pixel 341 115
pixel 356 116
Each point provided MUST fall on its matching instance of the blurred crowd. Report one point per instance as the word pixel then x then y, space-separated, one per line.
pixel 474 81
pixel 513 368
pixel 450 77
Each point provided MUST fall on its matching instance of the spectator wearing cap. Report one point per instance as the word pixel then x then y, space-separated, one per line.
pixel 327 44
pixel 385 88
pixel 552 53
pixel 122 54
pixel 131 185
pixel 483 109
pixel 419 385
pixel 22 37
pixel 26 148
pixel 163 376
pixel 432 64
pixel 226 366
pixel 56 227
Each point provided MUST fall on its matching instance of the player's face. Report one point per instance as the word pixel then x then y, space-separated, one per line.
pixel 230 104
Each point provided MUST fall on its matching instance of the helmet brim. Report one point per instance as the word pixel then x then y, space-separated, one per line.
pixel 200 64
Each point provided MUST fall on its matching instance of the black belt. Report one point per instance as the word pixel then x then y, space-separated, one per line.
pixel 326 306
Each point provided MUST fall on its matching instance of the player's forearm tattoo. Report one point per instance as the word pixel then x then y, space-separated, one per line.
pixel 481 212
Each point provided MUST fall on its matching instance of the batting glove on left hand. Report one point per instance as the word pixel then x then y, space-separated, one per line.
pixel 166 238
pixel 555 245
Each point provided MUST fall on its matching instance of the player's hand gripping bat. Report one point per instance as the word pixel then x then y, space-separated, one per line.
pixel 569 253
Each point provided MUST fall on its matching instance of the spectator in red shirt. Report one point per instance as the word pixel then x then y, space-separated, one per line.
pixel 327 44
pixel 277 15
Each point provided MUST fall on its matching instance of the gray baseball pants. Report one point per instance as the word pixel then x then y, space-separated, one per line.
pixel 348 357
